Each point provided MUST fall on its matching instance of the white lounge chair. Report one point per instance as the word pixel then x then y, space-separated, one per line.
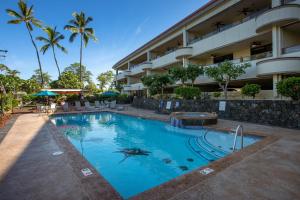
pixel 104 105
pixel 65 107
pixel 113 104
pixel 168 106
pixel 97 104
pixel 88 106
pixel 78 106
pixel 53 107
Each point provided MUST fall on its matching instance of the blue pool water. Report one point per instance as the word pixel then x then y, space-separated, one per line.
pixel 108 140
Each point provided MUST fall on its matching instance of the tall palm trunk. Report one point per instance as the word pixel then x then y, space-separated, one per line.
pixel 37 54
pixel 56 61
pixel 80 62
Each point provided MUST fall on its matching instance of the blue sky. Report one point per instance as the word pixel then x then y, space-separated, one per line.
pixel 121 27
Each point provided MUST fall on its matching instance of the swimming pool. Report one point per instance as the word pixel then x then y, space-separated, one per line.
pixel 135 154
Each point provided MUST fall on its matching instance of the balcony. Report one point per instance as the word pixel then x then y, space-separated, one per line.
pixel 251 72
pixel 291 49
pixel 281 65
pixel 122 75
pixel 165 60
pixel 138 69
pixel 183 52
pixel 277 16
pixel 227 37
pixel 134 87
pixel 228 26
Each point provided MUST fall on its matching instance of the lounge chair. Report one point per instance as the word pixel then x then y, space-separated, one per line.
pixel 78 106
pixel 113 104
pixel 88 106
pixel 168 106
pixel 97 104
pixel 104 105
pixel 65 107
pixel 53 107
pixel 120 108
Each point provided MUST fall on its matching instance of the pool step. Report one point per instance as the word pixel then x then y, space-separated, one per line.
pixel 217 150
pixel 200 150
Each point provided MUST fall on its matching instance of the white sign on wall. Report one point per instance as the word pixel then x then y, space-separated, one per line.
pixel 222 105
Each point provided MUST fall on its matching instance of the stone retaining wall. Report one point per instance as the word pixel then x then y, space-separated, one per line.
pixel 269 112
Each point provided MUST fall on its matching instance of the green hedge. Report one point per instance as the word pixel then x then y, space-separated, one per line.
pixel 289 87
pixel 251 90
pixel 188 92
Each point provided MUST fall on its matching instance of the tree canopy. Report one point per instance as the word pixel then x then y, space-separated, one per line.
pixel 67 80
pixel 75 69
pixel 225 72
pixel 157 82
pixel 38 78
pixel 105 79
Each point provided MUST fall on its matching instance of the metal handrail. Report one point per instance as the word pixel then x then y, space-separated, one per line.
pixel 239 127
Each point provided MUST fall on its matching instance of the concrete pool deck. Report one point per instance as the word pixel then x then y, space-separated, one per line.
pixel 28 170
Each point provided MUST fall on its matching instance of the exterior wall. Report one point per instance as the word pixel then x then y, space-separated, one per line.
pixel 238 38
pixel 290 38
pixel 276 113
pixel 242 53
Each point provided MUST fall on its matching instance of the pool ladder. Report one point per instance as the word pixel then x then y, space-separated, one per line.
pixel 239 129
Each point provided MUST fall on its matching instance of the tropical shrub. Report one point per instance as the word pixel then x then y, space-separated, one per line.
pixel 225 72
pixel 193 71
pixel 28 98
pixel 289 87
pixel 178 73
pixel 188 92
pixel 157 82
pixel 251 90
pixel 72 97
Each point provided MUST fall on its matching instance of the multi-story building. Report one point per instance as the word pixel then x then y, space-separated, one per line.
pixel 264 33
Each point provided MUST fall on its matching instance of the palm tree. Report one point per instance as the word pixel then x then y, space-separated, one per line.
pixel 26 16
pixel 13 73
pixel 52 40
pixel 78 26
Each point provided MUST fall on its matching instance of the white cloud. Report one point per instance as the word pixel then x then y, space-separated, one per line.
pixel 139 28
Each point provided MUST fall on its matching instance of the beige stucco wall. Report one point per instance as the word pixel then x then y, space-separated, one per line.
pixel 241 53
pixel 290 38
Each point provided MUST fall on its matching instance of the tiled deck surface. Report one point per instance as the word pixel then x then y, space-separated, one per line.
pixel 29 171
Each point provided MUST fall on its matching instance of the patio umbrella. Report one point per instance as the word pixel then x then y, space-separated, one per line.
pixel 45 93
pixel 110 94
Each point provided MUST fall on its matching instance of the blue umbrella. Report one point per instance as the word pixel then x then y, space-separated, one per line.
pixel 110 94
pixel 45 93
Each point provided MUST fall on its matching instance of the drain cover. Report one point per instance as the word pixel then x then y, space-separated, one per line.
pixel 206 171
pixel 86 172
pixel 57 153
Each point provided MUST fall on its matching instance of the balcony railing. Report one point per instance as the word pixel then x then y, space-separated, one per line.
pixel 291 49
pixel 228 26
pixel 247 58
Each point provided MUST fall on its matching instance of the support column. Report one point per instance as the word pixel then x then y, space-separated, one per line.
pixel 185 62
pixel 148 73
pixel 276 41
pixel 185 38
pixel 129 64
pixel 276 79
pixel 149 56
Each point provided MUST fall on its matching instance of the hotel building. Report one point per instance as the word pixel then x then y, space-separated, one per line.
pixel 264 33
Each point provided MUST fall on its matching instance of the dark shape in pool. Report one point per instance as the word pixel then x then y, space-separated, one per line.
pixel 183 168
pixel 167 160
pixel 128 152
pixel 190 159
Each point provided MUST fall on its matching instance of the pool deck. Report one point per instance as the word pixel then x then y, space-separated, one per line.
pixel 269 169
